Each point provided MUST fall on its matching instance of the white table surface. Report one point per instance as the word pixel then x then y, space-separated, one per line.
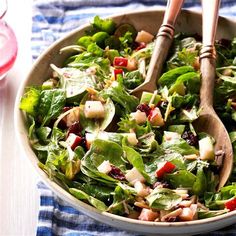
pixel 19 198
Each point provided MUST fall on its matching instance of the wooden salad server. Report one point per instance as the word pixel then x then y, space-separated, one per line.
pixel 208 120
pixel 162 45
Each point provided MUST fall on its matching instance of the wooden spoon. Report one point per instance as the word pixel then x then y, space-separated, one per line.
pixel 208 120
pixel 162 46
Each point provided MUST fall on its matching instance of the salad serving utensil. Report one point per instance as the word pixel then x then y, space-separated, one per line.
pixel 208 121
pixel 162 45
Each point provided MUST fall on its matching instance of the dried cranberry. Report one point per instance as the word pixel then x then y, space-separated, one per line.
pixel 116 173
pixel 83 144
pixel 190 138
pixel 75 128
pixel 144 108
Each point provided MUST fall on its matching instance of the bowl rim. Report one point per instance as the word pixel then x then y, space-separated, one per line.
pixel 21 135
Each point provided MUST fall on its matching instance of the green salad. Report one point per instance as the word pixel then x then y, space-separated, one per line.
pixel 137 158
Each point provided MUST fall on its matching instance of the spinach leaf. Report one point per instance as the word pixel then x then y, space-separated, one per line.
pixel 180 146
pixel 126 124
pixel 122 196
pixel 200 185
pixel 181 179
pixel 102 150
pixel 75 82
pixel 169 77
pixel 30 100
pixel 133 79
pixel 203 214
pixel 96 125
pixel 120 96
pixel 84 196
pixel 191 80
pixel 106 25
pixel 43 133
pixel 229 191
pixel 163 199
pixel 225 86
pixel 96 190
pixel 187 100
pixel 148 143
pixel 50 105
pixel 136 160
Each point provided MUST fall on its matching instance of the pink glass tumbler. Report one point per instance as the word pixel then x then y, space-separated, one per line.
pixel 8 45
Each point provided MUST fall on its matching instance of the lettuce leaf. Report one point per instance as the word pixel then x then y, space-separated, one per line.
pixel 163 199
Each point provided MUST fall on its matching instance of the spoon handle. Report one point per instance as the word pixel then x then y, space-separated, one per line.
pixel 208 54
pixel 163 41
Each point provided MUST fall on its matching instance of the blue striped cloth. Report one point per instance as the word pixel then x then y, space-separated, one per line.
pixel 51 20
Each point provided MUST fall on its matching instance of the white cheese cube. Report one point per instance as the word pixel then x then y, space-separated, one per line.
pixel 94 109
pixel 134 175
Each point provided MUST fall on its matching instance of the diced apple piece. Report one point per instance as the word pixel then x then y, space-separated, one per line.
pixel 186 214
pixel 139 116
pixel 155 117
pixel 144 36
pixel 105 167
pixel 73 116
pixel 141 189
pixel 148 215
pixel 168 135
pixel 206 149
pixel 73 140
pixel 134 175
pixel 89 139
pixel 94 109
pixel 182 192
pixel 163 168
pixel 132 139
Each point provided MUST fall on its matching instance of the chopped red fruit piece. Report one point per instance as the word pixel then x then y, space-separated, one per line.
pixel 118 72
pixel 120 62
pixel 231 204
pixel 73 140
pixel 163 168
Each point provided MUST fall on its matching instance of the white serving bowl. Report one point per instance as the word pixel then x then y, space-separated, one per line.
pixel 188 22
